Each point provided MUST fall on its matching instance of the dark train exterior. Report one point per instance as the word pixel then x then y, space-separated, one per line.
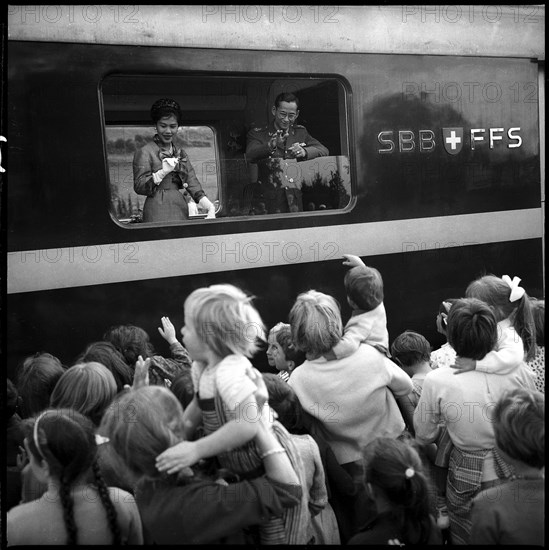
pixel 442 148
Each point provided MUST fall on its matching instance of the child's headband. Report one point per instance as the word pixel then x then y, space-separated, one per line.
pixel 99 439
pixel 35 434
pixel 517 292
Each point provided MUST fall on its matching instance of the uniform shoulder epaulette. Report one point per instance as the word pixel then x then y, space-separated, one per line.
pixel 299 126
pixel 259 129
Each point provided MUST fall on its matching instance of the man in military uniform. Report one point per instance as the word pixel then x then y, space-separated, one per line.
pixel 282 138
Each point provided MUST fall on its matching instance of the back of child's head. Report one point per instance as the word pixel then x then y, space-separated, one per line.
pixel 364 286
pixel 395 467
pixel 284 401
pixel 182 388
pixel 65 439
pixel 106 353
pixel 538 313
pixel 141 425
pixel 284 338
pixel 88 388
pixel 130 341
pixel 509 301
pixel 410 348
pixel 35 380
pixel 225 320
pixel 472 328
pixel 519 426
pixel 315 319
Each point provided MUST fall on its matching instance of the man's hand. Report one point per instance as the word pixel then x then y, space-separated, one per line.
pixel 176 458
pixel 463 364
pixel 297 150
pixel 278 139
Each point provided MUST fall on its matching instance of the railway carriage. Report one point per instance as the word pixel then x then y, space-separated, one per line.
pixel 433 118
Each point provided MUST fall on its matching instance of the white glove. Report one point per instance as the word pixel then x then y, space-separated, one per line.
pixel 168 166
pixel 206 204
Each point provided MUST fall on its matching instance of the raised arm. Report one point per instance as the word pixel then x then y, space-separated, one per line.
pixel 192 418
pixel 231 435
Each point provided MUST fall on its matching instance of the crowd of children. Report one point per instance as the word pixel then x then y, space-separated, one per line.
pixel 352 440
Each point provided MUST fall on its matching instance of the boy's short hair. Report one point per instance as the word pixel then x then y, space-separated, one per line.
pixel 519 426
pixel 472 328
pixel 411 348
pixel 364 286
pixel 284 338
pixel 316 323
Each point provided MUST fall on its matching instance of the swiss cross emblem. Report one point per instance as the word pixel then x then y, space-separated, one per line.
pixel 452 139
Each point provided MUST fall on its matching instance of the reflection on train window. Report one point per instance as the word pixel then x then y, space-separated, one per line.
pixel 123 141
pixel 221 115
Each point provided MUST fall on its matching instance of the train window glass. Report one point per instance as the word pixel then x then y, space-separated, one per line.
pixel 225 114
pixel 122 141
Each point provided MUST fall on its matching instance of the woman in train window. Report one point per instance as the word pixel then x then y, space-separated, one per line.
pixel 161 170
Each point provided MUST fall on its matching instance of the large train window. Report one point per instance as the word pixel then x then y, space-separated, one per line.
pixel 228 124
pixel 197 143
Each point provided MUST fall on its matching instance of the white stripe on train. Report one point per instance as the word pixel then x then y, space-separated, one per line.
pixel 118 262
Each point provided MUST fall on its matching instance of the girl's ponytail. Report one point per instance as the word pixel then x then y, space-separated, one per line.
pixel 523 322
pixel 395 468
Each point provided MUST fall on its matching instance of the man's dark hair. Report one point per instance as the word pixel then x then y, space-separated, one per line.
pixel 287 97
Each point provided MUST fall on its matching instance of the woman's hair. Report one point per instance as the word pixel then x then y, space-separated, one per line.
pixel 142 424
pixel 225 320
pixel 472 328
pixel 519 426
pixel 107 354
pixel 284 338
pixel 538 314
pixel 65 439
pixel 411 348
pixel 36 377
pixel 283 400
pixel 497 293
pixel 316 323
pixel 88 388
pixel 130 341
pixel 395 467
pixel 166 107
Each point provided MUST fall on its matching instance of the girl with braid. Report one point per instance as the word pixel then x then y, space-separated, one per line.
pixel 396 481
pixel 62 449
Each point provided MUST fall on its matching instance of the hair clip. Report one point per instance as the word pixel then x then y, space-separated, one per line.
pixel 99 439
pixel 517 292
pixel 409 473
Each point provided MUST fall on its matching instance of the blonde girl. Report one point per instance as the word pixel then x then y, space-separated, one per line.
pixel 222 331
